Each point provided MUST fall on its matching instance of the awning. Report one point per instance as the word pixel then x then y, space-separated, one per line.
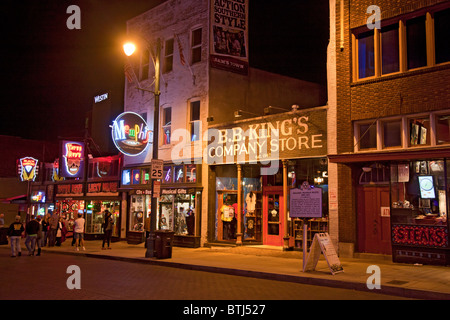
pixel 398 155
pixel 16 199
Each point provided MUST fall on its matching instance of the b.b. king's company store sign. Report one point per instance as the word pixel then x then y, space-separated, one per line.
pixel 130 133
pixel 281 136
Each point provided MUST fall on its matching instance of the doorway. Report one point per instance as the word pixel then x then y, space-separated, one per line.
pixel 273 216
pixel 374 226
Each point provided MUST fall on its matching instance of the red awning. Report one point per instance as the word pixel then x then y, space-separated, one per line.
pixel 15 199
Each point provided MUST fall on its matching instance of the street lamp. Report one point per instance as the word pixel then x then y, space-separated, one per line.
pixel 129 49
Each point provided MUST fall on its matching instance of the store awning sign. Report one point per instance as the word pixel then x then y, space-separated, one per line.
pixel 130 133
pixel 27 168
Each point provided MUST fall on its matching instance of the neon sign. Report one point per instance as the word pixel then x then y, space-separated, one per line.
pixel 28 168
pixel 72 159
pixel 130 133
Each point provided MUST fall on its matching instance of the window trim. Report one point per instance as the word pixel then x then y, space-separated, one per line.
pixel 168 56
pixel 190 121
pixel 197 46
pixel 405 131
pixel 162 126
pixel 428 13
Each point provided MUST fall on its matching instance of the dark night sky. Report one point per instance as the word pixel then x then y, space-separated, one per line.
pixel 50 74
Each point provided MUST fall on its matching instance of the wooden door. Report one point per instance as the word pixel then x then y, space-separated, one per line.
pixel 273 217
pixel 374 228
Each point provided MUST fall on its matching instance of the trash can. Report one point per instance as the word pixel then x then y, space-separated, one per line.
pixel 163 244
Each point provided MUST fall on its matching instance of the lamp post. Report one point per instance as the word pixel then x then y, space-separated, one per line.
pixel 129 49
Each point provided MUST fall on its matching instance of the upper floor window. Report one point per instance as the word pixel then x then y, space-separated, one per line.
pixel 407 44
pixel 442 36
pixel 168 56
pixel 390 56
pixel 416 43
pixel 166 125
pixel 195 120
pixel 145 65
pixel 366 55
pixel 196 45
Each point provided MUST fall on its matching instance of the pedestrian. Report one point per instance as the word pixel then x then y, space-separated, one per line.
pixel 107 228
pixel 31 229
pixel 53 221
pixel 45 226
pixel 39 236
pixel 78 232
pixel 60 232
pixel 15 233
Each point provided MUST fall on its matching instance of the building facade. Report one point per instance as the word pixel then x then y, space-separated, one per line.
pixel 389 93
pixel 205 81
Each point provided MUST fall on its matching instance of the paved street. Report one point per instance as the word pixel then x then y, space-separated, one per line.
pixel 45 278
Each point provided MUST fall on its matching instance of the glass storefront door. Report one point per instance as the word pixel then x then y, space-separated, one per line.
pixel 273 218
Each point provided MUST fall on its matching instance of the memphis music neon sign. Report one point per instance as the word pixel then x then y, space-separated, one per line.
pixel 130 133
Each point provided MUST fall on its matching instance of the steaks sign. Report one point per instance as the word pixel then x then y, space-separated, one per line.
pixel 427 236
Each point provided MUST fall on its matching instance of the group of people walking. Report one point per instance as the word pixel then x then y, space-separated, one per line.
pixel 51 231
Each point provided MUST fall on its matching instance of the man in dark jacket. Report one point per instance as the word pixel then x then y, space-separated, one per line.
pixel 15 232
pixel 32 229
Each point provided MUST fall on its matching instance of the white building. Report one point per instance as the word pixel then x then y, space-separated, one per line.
pixel 203 82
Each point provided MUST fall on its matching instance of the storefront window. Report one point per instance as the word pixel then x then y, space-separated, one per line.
pixel 185 210
pixel 419 204
pixel 95 216
pixel 140 208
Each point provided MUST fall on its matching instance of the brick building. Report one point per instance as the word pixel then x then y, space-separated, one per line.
pixel 389 90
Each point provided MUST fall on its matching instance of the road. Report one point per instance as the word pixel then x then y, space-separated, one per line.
pixel 47 277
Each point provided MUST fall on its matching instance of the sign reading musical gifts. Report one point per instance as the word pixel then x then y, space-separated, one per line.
pixel 71 158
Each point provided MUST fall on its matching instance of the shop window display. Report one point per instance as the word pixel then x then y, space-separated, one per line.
pixel 95 216
pixel 140 209
pixel 177 213
pixel 419 204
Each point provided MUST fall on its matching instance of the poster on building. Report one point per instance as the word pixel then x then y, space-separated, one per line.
pixel 229 40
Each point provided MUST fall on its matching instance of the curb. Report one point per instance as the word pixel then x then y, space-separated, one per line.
pixel 385 289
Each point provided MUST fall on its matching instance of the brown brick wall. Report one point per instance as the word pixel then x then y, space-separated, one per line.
pixel 414 91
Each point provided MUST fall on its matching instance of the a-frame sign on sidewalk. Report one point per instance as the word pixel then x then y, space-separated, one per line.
pixel 321 243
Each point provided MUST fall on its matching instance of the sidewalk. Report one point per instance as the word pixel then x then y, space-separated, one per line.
pixel 411 281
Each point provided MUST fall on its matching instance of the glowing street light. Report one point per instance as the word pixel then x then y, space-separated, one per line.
pixel 129 48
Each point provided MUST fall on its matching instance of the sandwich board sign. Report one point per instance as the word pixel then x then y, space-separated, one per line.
pixel 322 243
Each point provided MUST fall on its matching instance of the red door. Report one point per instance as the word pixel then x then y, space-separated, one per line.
pixel 273 217
pixel 374 228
